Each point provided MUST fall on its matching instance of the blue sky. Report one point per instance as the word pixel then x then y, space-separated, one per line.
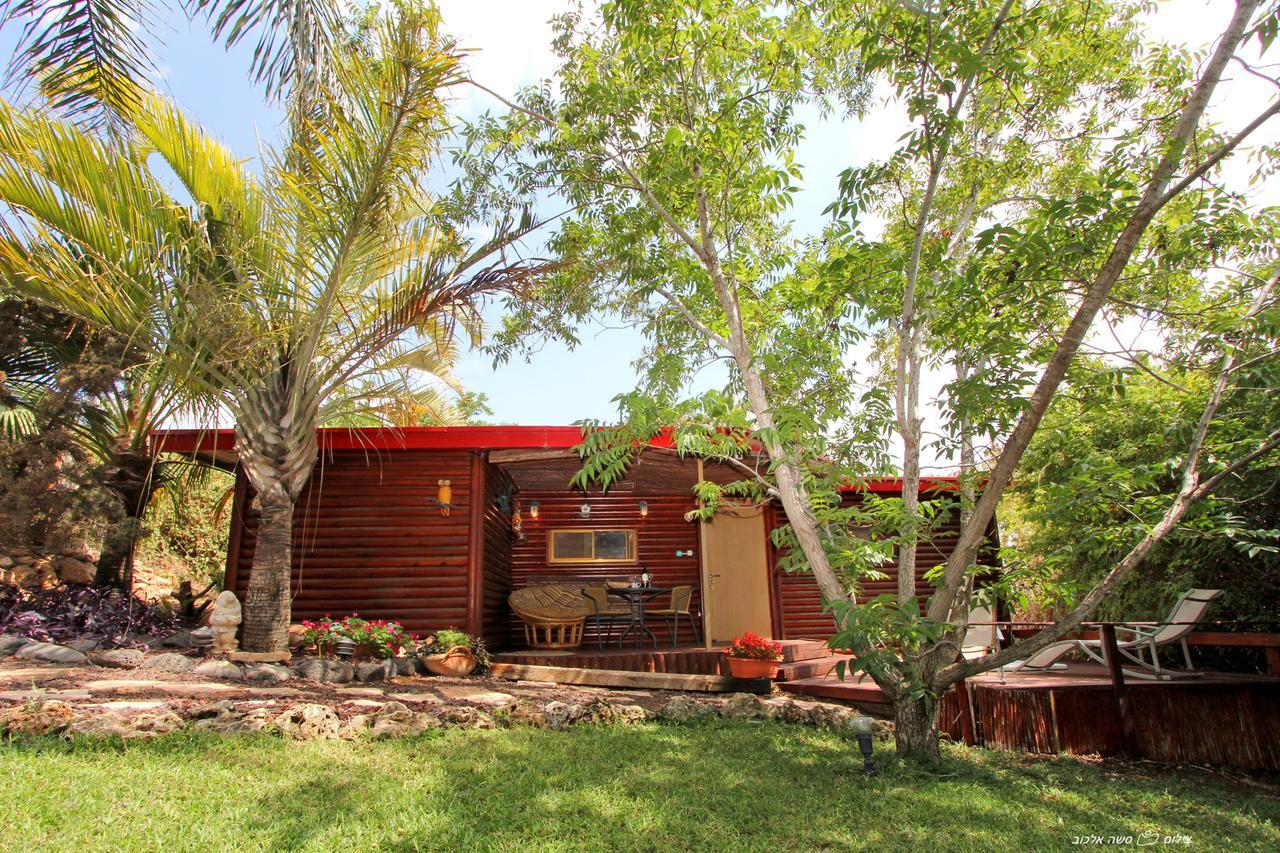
pixel 511 42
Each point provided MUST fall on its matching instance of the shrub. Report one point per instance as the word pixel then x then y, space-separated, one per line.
pixel 64 614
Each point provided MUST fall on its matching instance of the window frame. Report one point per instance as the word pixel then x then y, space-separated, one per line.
pixel 633 547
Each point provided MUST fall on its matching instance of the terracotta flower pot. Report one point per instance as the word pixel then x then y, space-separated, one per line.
pixel 457 661
pixel 752 667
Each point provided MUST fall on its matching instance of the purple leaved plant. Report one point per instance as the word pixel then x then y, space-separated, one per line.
pixel 69 613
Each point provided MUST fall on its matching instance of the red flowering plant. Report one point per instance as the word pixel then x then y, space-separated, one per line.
pixel 388 638
pixel 322 633
pixel 754 647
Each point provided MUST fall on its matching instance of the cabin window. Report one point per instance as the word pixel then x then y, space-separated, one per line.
pixel 612 545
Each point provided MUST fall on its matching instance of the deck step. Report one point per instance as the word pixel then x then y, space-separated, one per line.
pixel 816 668
pixel 869 698
pixel 794 651
pixel 628 678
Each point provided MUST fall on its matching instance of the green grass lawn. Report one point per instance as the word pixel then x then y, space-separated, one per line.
pixel 723 786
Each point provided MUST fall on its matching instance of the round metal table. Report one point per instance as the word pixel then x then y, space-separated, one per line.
pixel 636 597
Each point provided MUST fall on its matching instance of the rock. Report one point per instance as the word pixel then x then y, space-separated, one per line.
pixel 832 717
pixel 525 713
pixel 270 673
pixel 220 717
pixel 742 706
pixel 115 724
pixel 324 670
pixel 178 640
pixel 797 714
pixel 774 707
pixel 219 669
pixel 169 662
pixel 680 709
pixel 396 719
pixel 37 718
pixel 295 637
pixel 6 561
pixel 355 726
pixel 470 718
pixel 50 653
pixel 73 570
pixel 404 666
pixel 84 644
pixel 561 715
pixel 368 673
pixel 629 714
pixel 119 658
pixel 254 720
pixel 9 644
pixel 309 722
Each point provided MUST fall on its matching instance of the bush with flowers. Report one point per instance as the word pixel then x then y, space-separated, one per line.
pixel 754 647
pixel 387 638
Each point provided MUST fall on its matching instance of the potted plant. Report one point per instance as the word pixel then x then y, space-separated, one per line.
pixel 752 656
pixel 356 638
pixel 324 635
pixel 453 652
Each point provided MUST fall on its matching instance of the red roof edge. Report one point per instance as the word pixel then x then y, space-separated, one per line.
pixel 192 441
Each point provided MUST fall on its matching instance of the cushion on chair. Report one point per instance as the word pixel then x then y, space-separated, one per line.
pixel 550 603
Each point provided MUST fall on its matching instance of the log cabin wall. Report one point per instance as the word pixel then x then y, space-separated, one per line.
pixel 369 538
pixel 798 609
pixel 496 565
pixel 658 537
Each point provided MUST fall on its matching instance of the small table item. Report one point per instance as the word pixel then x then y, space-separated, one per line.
pixel 636 597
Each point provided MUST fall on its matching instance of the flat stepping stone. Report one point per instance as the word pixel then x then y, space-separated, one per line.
pixel 125 705
pixel 50 653
pixel 120 685
pixel 365 703
pixel 28 695
pixel 478 695
pixel 29 674
pixel 359 691
pixel 414 697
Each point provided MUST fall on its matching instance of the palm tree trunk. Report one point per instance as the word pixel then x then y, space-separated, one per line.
pixel 129 476
pixel 267 601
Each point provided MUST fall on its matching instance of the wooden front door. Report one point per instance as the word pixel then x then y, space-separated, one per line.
pixel 735 575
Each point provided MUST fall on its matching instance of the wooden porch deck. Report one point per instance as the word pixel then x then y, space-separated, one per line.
pixel 1218 718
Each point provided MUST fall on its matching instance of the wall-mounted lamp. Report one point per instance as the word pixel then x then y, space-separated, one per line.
pixel 585 510
pixel 533 510
pixel 444 496
pixel 644 509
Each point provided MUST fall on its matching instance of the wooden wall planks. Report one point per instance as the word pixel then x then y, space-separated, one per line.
pixel 369 538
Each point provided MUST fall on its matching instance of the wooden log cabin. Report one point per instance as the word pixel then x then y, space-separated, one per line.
pixel 380 533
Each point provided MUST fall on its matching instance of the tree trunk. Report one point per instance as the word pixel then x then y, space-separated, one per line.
pixel 267 601
pixel 116 547
pixel 129 476
pixel 916 728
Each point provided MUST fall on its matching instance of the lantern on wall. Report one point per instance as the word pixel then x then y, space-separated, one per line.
pixel 585 510
pixel 644 509
pixel 444 496
pixel 533 510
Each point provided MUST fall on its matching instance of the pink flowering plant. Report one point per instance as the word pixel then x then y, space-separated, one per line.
pixel 388 638
pixel 754 647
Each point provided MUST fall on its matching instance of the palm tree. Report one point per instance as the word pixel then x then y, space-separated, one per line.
pixel 91 58
pixel 268 293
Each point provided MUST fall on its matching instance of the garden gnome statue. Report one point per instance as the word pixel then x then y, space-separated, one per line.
pixel 224 622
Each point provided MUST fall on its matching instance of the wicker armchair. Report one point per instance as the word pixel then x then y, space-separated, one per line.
pixel 553 615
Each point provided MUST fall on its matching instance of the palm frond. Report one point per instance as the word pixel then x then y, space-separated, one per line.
pixel 86 55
